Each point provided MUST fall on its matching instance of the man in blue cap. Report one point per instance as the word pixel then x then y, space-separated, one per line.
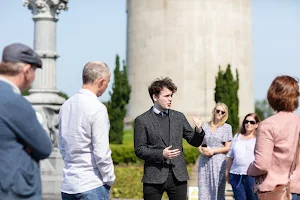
pixel 23 141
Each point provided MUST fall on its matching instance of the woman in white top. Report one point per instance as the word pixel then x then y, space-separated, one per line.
pixel 240 156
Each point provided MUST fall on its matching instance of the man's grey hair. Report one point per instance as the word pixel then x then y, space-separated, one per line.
pixel 93 71
pixel 11 68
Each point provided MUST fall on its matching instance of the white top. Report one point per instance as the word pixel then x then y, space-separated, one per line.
pixel 83 142
pixel 242 152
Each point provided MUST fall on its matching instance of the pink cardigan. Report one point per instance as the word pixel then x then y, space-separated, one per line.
pixel 276 142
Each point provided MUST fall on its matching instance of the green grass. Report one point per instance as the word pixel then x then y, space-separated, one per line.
pixel 128 137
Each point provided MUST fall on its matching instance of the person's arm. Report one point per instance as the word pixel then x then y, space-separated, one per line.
pixel 263 150
pixel 60 143
pixel 229 158
pixel 200 150
pixel 22 119
pixel 141 148
pixel 205 151
pixel 101 149
pixel 224 149
pixel 228 166
pixel 193 137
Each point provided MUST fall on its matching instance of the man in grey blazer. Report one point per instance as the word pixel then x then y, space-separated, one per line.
pixel 158 137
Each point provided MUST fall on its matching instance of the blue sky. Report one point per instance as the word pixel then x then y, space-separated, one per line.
pixel 96 30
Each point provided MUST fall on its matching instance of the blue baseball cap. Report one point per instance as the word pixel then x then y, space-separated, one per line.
pixel 18 52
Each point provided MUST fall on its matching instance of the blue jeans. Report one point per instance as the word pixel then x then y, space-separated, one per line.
pixel 295 196
pixel 99 193
pixel 242 186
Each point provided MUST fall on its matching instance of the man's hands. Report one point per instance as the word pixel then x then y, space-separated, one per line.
pixel 169 154
pixel 198 122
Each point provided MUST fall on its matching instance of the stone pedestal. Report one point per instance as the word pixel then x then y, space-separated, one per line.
pixel 43 93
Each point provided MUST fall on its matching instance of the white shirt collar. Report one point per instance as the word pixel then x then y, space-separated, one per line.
pixel 14 87
pixel 158 111
pixel 85 91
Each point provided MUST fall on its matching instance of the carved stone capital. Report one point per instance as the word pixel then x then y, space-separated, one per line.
pixel 46 8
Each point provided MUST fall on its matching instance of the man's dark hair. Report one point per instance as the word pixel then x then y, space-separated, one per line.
pixel 158 85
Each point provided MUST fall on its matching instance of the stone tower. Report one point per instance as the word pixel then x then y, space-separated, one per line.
pixel 187 40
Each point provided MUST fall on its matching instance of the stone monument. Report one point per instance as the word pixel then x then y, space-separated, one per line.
pixel 187 40
pixel 43 93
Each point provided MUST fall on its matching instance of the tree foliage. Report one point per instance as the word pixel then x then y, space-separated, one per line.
pixel 119 98
pixel 226 91
pixel 263 109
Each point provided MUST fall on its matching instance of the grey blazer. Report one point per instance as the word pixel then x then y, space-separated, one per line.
pixel 149 144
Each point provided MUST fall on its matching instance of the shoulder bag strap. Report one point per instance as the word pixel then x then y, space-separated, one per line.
pixel 295 160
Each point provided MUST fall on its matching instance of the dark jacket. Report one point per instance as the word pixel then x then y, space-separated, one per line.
pixel 19 129
pixel 149 144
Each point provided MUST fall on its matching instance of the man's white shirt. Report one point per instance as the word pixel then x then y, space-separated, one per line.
pixel 84 143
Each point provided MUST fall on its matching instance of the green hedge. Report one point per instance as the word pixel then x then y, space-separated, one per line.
pixel 128 182
pixel 124 154
pixel 190 154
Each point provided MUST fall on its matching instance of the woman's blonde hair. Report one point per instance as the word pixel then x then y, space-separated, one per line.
pixel 225 117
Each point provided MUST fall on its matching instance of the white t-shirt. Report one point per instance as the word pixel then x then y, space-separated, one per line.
pixel 242 152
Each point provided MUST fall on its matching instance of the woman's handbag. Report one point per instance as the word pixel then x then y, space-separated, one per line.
pixel 282 192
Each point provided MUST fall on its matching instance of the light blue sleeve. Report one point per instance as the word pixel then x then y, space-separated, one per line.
pixel 22 119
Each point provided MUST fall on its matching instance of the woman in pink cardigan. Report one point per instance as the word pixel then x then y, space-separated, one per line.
pixel 277 138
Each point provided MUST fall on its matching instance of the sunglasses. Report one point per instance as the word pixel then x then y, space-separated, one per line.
pixel 251 122
pixel 220 112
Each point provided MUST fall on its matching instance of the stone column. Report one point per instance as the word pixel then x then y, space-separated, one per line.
pixel 45 15
pixel 43 93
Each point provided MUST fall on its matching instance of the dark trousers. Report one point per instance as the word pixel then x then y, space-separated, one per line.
pixel 176 190
pixel 242 187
